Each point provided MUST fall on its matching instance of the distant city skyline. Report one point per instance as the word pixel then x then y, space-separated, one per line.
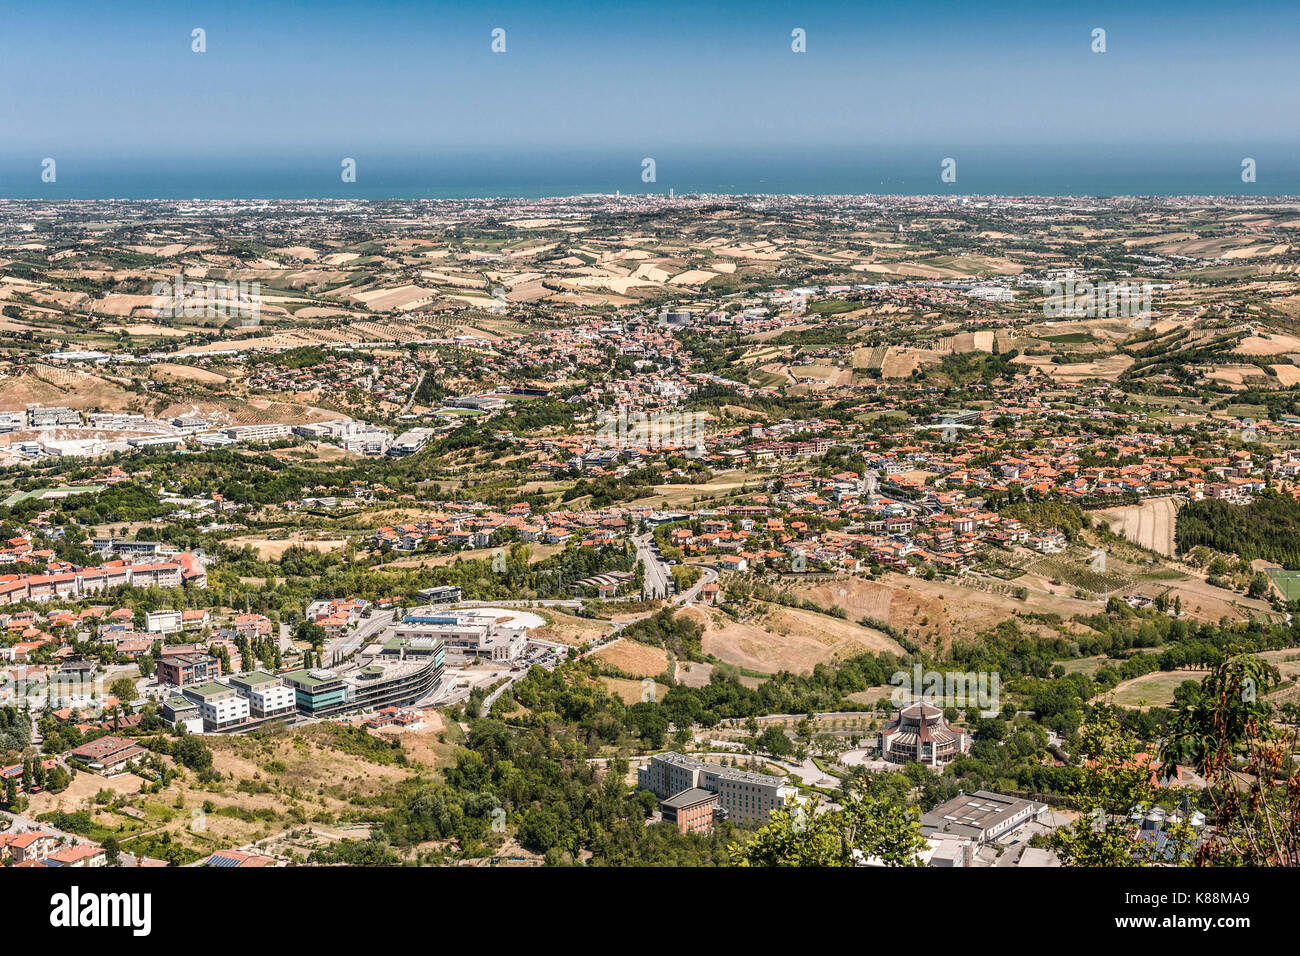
pixel 116 92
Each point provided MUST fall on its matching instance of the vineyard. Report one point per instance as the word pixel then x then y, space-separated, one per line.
pixel 1075 567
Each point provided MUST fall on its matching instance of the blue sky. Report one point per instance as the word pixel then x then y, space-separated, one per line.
pixel 407 79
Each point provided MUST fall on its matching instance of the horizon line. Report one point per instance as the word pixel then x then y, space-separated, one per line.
pixel 662 195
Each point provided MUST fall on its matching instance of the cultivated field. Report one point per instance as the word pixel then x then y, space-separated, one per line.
pixel 1151 690
pixel 785 639
pixel 1149 525
pixel 272 549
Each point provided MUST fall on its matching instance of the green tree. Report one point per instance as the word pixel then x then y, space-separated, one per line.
pixel 793 836
pixel 775 741
pixel 1113 782
pixel 123 688
pixel 1226 731
pixel 865 827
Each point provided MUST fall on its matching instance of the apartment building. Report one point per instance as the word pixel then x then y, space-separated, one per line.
pixel 184 568
pixel 185 669
pixel 28 847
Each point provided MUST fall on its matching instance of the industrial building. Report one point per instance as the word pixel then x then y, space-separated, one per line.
pixel 982 816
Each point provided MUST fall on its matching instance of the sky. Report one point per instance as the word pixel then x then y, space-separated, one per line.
pixel 416 80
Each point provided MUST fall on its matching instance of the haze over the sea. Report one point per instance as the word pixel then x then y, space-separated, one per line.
pixel 151 99
pixel 1153 171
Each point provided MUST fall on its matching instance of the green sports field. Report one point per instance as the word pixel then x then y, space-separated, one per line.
pixel 1288 582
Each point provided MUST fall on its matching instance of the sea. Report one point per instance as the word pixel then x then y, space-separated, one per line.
pixel 1113 170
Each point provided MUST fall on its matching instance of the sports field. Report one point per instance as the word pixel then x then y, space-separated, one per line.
pixel 1288 582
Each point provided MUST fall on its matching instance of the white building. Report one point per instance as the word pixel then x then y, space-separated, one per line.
pixel 162 622
pixel 469 635
pixel 258 432
pixel 13 421
pixel 267 695
pixel 220 706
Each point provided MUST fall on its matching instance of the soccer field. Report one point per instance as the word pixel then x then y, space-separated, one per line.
pixel 1288 583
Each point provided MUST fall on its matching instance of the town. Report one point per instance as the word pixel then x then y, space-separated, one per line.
pixel 754 516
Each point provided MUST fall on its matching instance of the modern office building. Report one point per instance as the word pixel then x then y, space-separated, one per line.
pixel 415 673
pixel 466 634
pixel 267 695
pixel 409 442
pixel 256 433
pixel 182 712
pixel 220 705
pixel 317 691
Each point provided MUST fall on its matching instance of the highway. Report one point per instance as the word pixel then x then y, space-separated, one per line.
pixel 352 640
pixel 691 594
pixel 656 571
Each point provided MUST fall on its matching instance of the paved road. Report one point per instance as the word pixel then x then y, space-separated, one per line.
pixel 692 594
pixel 732 722
pixel 352 640
pixel 656 572
pixel 414 392
pixel 491 698
pixel 543 602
